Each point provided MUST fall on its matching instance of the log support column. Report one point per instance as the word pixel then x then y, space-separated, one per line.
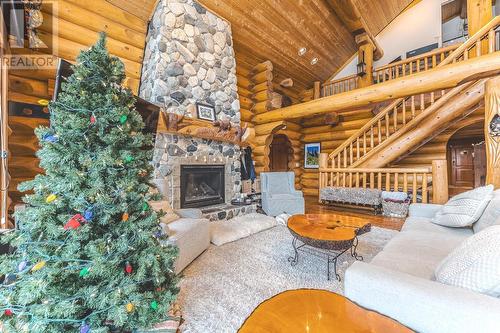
pixel 492 109
pixel 365 54
pixel 439 181
pixel 479 12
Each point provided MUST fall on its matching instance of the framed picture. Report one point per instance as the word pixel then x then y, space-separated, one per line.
pixel 311 155
pixel 205 111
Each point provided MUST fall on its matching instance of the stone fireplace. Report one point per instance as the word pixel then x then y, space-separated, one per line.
pixel 202 185
pixel 189 59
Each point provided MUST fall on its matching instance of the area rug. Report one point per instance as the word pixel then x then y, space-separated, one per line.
pixel 220 288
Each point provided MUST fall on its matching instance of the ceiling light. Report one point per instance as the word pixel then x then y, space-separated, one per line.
pixel 314 61
pixel 302 51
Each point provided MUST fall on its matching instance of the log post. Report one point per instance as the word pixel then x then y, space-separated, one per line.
pixel 439 181
pixel 317 90
pixel 479 12
pixel 365 54
pixel 492 109
pixel 323 163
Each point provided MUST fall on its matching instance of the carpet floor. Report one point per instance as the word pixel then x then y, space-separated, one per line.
pixel 221 288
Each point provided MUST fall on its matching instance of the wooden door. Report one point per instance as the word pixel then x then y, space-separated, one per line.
pixel 279 153
pixel 462 165
pixel 479 164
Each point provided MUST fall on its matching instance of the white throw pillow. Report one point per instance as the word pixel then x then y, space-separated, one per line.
pixel 464 209
pixel 474 264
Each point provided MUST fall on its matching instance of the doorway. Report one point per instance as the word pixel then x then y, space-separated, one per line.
pixel 280 152
pixel 466 159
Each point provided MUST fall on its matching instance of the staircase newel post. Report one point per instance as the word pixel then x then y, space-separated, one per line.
pixel 491 130
pixel 323 164
pixel 439 181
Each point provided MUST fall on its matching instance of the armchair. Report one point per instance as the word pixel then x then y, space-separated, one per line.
pixel 279 195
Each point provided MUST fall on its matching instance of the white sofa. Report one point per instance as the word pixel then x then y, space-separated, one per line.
pixel 399 282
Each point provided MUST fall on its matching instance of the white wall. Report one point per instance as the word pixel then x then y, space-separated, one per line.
pixel 417 27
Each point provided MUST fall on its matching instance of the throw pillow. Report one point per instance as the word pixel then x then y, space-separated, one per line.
pixel 491 215
pixel 474 264
pixel 464 209
pixel 170 215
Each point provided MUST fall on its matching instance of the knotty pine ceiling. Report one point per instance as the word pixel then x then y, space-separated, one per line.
pixel 276 29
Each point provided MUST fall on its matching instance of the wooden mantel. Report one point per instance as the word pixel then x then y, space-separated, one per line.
pixel 177 124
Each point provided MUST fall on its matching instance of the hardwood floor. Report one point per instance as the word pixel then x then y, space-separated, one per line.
pixel 313 207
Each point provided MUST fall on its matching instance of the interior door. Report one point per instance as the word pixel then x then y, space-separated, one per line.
pixel 279 153
pixel 479 164
pixel 462 164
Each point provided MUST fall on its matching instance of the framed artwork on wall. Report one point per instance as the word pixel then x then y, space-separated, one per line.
pixel 205 111
pixel 311 155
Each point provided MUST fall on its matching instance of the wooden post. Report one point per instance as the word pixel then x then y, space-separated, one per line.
pixel 323 163
pixel 317 90
pixel 323 160
pixel 491 109
pixel 4 132
pixel 439 181
pixel 365 54
pixel 479 12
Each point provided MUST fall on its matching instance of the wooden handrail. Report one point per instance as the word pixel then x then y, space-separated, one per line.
pixel 420 56
pixel 4 131
pixel 339 85
pixel 485 32
pixel 410 180
pixel 382 170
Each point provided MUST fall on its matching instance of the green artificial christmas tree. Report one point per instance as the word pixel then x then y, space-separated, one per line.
pixel 89 254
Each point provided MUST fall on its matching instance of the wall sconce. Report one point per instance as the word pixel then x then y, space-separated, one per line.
pixel 361 66
pixel 495 125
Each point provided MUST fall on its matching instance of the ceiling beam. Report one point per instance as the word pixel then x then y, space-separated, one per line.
pixel 351 17
pixel 434 79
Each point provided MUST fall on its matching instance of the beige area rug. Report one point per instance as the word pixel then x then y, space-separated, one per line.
pixel 221 288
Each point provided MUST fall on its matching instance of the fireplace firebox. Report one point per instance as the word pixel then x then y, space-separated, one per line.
pixel 202 185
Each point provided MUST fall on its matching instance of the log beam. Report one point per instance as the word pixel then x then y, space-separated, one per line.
pixel 438 78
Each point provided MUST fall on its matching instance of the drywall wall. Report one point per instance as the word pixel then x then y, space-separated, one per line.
pixel 417 27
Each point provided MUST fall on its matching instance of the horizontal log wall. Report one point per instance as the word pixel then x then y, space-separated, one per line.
pixel 330 137
pixel 78 26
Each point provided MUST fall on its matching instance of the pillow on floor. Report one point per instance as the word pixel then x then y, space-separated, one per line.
pixel 239 227
pixel 464 209
pixel 474 264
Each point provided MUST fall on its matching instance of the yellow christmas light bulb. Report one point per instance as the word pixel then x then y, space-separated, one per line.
pixel 38 266
pixel 130 307
pixel 51 198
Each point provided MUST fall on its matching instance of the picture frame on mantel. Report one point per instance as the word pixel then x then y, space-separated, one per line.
pixel 311 155
pixel 205 111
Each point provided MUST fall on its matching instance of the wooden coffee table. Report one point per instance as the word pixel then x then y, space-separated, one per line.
pixel 331 234
pixel 318 311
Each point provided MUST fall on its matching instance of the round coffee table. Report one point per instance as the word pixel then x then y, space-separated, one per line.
pixel 333 234
pixel 318 311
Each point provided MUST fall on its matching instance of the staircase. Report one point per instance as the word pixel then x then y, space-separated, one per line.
pixel 398 127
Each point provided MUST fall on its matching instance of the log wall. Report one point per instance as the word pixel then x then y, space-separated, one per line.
pixel 78 25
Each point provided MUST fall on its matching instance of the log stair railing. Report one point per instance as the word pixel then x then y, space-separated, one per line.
pixel 411 180
pixel 397 115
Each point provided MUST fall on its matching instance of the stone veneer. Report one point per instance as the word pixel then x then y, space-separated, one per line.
pixel 189 58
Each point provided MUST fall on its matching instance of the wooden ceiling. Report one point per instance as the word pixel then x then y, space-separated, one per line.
pixel 276 29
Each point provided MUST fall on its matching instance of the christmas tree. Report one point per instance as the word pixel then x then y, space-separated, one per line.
pixel 89 255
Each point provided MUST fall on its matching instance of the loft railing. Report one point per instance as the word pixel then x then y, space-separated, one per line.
pixel 489 39
pixel 412 65
pixel 395 116
pixel 339 86
pixel 414 181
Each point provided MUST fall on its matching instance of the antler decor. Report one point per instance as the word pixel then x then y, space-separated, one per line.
pixel 221 130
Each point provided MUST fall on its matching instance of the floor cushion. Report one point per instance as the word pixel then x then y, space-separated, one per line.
pixel 239 227
pixel 465 208
pixel 475 264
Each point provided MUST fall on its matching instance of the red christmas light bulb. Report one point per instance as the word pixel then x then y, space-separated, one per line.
pixel 128 268
pixel 92 119
pixel 8 312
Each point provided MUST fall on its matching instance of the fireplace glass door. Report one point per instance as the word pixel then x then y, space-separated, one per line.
pixel 202 185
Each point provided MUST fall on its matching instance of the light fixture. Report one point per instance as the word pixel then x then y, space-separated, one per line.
pixel 314 61
pixel 302 51
pixel 361 66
